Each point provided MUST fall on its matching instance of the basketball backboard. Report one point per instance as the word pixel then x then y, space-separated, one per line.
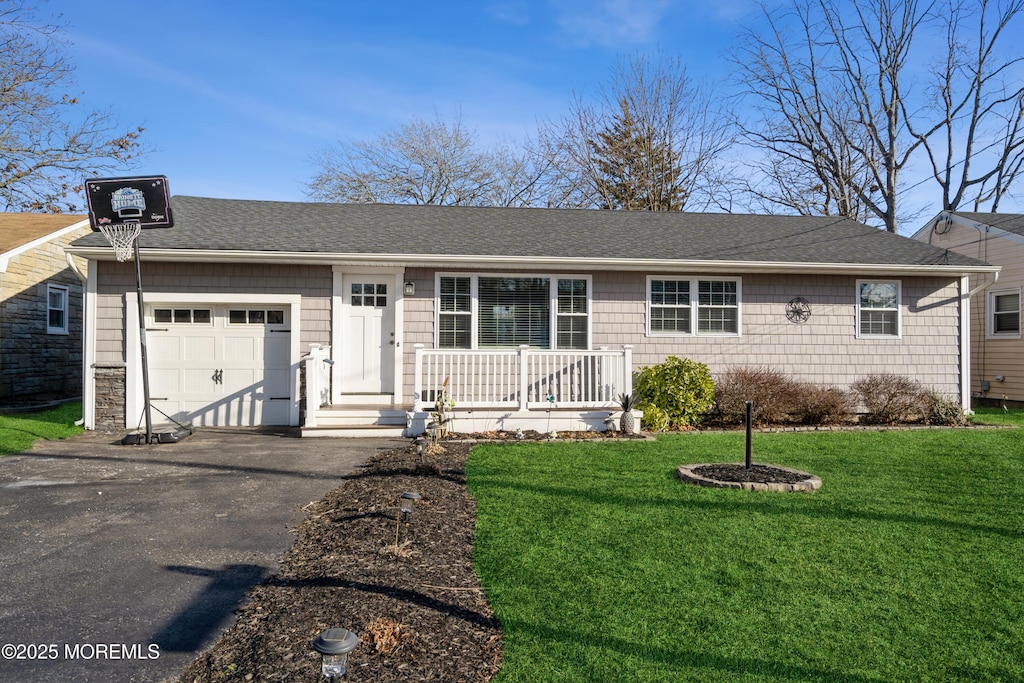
pixel 143 199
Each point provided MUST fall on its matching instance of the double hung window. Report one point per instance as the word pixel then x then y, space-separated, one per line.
pixel 1004 314
pixel 878 309
pixel 504 311
pixel 56 309
pixel 703 306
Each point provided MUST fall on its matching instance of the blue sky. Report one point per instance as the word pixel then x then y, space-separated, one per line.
pixel 236 97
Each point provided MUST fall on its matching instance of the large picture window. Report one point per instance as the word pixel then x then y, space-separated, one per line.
pixel 506 311
pixel 677 306
pixel 878 309
pixel 1004 313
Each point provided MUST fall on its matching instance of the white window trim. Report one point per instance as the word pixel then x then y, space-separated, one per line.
pixel 990 314
pixel 695 281
pixel 899 309
pixel 66 309
pixel 474 292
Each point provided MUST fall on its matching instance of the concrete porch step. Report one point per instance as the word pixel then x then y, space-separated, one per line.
pixel 354 431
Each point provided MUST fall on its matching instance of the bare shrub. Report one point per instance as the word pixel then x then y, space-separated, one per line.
pixel 771 391
pixel 816 404
pixel 892 398
pixel 943 410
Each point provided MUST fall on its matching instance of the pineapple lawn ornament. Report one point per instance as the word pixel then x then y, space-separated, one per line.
pixel 443 407
pixel 627 423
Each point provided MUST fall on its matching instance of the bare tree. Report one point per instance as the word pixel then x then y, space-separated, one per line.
pixel 839 114
pixel 977 149
pixel 652 140
pixel 47 146
pixel 424 162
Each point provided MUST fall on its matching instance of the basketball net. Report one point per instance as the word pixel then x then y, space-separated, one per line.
pixel 122 237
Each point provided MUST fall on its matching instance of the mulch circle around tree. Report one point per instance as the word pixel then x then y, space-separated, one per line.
pixel 763 474
pixel 416 604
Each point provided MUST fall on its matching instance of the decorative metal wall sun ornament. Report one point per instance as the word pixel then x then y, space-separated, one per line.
pixel 798 310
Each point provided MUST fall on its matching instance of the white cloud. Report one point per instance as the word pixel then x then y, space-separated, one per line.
pixel 611 23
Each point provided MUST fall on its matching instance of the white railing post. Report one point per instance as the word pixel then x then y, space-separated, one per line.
pixel 627 369
pixel 417 382
pixel 318 381
pixel 524 350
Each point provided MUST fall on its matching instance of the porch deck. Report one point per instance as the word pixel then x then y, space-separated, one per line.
pixel 492 390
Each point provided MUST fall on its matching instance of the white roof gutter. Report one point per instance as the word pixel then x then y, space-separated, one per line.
pixel 444 261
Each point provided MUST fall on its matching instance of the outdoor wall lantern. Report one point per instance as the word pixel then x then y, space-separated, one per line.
pixel 334 644
pixel 410 288
pixel 407 502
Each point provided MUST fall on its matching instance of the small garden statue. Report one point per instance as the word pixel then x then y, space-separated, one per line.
pixel 443 407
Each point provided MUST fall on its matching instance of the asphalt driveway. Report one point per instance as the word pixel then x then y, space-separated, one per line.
pixel 121 563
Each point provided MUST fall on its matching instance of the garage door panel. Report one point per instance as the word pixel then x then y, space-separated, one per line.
pixel 167 380
pixel 163 347
pixel 275 382
pixel 242 380
pixel 198 380
pixel 276 346
pixel 200 348
pixel 241 349
pixel 275 412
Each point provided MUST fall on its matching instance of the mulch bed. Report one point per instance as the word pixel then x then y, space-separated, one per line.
pixel 416 605
pixel 760 474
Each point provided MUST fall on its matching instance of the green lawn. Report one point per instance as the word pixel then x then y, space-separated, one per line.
pixel 908 565
pixel 998 416
pixel 18 431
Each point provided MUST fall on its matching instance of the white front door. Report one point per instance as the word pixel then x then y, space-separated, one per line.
pixel 368 334
pixel 216 364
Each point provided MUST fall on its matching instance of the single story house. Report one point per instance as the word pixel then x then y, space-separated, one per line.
pixel 41 292
pixel 337 317
pixel 997 346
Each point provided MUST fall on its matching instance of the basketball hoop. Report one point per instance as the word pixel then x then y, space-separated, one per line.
pixel 122 237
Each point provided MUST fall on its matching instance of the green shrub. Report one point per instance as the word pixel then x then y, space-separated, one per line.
pixel 815 404
pixel 892 398
pixel 772 393
pixel 654 419
pixel 681 388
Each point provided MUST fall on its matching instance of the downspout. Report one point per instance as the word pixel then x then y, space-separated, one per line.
pixel 965 337
pixel 88 348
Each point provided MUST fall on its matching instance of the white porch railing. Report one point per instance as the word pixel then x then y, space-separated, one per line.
pixel 523 378
pixel 318 380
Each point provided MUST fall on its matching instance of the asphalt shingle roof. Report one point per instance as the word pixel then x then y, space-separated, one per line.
pixel 17 229
pixel 367 229
pixel 1010 222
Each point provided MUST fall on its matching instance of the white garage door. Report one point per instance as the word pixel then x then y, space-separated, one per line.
pixel 220 364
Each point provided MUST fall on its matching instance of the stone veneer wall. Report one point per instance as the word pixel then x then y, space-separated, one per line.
pixel 110 396
pixel 35 365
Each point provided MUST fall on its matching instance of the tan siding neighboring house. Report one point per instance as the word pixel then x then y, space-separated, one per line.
pixel 40 308
pixel 997 355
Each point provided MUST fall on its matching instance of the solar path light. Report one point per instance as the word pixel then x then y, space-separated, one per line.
pixel 407 503
pixel 334 645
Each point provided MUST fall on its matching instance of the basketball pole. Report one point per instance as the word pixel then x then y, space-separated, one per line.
pixel 142 343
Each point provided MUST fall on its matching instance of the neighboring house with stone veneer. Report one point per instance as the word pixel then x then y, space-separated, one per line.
pixel 997 342
pixel 40 308
pixel 334 317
